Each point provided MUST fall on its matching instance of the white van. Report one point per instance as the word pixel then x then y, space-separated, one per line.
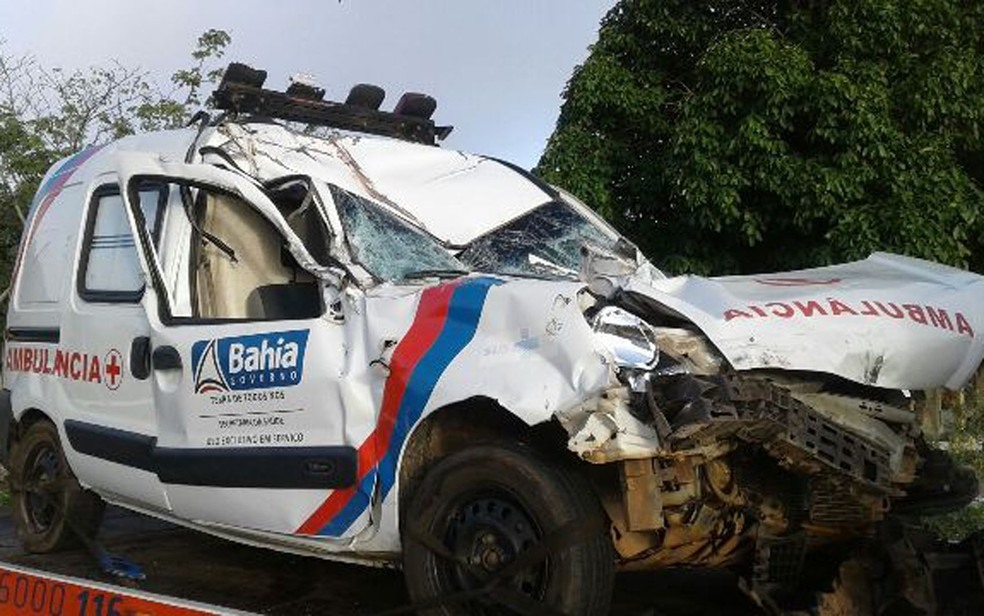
pixel 351 344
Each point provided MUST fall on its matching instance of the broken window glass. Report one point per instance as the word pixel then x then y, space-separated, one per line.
pixel 545 242
pixel 247 274
pixel 388 247
pixel 297 204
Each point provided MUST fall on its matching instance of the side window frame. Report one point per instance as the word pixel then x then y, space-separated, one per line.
pixel 148 242
pixel 102 295
pixel 163 194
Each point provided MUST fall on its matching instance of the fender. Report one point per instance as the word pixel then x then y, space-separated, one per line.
pixel 472 336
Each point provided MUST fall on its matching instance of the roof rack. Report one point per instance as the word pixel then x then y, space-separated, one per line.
pixel 241 91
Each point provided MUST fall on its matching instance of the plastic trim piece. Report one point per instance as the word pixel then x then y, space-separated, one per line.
pixel 47 335
pixel 235 467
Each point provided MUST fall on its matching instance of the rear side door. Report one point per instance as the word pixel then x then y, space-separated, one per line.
pixel 109 401
pixel 248 369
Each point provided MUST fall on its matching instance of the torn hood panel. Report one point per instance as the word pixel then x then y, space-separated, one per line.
pixel 888 321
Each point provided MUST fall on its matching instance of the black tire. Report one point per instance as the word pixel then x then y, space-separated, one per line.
pixel 49 507
pixel 509 493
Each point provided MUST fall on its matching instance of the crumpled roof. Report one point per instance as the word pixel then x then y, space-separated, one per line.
pixel 454 195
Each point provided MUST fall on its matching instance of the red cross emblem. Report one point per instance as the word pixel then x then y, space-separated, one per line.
pixel 113 369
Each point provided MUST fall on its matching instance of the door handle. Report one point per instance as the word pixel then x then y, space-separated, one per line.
pixel 166 358
pixel 140 357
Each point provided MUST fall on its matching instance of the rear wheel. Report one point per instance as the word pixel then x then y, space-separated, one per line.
pixel 479 510
pixel 49 507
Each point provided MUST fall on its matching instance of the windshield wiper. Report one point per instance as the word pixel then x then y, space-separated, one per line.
pixel 538 262
pixel 435 273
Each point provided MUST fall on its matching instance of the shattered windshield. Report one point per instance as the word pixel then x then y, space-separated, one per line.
pixel 389 248
pixel 545 242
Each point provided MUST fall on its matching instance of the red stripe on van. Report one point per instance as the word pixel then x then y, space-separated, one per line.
pixel 427 324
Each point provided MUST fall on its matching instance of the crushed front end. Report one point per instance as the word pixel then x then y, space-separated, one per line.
pixel 750 468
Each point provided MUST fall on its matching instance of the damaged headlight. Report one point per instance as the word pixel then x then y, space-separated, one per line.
pixel 631 340
pixel 642 349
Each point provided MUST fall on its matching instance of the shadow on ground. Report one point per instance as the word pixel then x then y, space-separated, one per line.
pixel 203 568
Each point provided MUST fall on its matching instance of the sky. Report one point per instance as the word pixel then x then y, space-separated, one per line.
pixel 497 69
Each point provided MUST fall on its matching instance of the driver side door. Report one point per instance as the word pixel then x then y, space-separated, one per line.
pixel 246 370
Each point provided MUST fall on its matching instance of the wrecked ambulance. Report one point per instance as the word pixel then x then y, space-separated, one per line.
pixel 352 344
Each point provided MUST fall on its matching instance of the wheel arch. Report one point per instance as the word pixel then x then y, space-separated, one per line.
pixel 517 498
pixel 465 423
pixel 79 514
pixel 11 433
pixel 31 416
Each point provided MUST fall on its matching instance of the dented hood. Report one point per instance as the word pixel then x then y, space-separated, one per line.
pixel 889 321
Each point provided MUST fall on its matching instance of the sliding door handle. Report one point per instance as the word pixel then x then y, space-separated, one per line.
pixel 140 358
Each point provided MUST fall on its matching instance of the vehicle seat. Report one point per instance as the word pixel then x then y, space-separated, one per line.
pixel 254 285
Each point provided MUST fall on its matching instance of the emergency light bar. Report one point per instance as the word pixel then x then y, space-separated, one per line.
pixel 241 91
pixel 366 95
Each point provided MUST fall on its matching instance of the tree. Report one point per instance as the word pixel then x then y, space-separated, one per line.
pixel 46 114
pixel 732 136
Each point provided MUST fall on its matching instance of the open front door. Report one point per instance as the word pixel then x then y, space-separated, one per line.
pixel 246 372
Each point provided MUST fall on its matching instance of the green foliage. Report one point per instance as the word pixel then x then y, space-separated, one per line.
pixel 211 46
pixel 965 444
pixel 962 523
pixel 739 136
pixel 23 158
pixel 735 136
pixel 46 114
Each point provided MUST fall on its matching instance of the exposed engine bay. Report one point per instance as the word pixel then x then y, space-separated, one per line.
pixel 719 467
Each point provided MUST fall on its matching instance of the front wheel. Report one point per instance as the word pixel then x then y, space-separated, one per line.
pixel 480 509
pixel 49 508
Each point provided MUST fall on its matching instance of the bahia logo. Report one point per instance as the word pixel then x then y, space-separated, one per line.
pixel 258 361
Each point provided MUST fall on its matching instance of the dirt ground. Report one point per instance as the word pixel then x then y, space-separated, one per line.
pixel 203 568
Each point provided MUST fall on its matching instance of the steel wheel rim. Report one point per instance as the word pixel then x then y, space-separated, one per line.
pixel 43 471
pixel 488 530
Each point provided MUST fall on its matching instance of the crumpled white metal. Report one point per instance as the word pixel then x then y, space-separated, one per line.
pixel 888 320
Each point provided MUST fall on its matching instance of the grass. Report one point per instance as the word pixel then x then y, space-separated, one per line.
pixel 965 442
